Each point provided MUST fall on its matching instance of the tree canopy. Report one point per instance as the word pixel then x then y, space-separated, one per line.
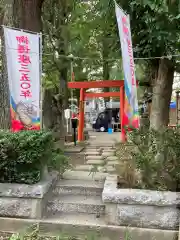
pixel 84 35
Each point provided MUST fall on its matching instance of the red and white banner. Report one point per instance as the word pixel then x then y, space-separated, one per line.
pixel 131 114
pixel 23 67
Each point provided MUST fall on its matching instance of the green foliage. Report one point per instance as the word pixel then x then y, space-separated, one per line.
pixel 33 233
pixel 157 158
pixel 59 161
pixel 23 155
pixel 155 26
pixel 128 176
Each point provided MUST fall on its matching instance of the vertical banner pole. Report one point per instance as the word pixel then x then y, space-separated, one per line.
pixel 40 79
pixel 123 132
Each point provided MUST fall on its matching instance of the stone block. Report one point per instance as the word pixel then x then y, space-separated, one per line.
pixel 112 158
pixel 95 162
pixel 142 208
pixel 23 200
pixel 111 214
pixel 138 196
pixel 107 154
pixel 109 150
pixel 91 153
pixel 19 207
pixel 146 216
pixel 110 169
pixel 94 157
pixel 102 169
pixel 113 163
pixel 84 175
pixel 84 168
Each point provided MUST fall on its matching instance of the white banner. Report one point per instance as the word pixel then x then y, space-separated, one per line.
pixel 23 67
pixel 131 102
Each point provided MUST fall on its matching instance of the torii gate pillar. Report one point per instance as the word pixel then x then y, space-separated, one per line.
pixel 81 116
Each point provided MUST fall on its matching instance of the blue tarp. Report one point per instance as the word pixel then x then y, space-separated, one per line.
pixel 173 105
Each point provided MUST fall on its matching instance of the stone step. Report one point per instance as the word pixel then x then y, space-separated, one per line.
pixel 90 168
pixel 96 162
pixel 79 187
pixel 83 175
pixel 74 204
pixel 86 167
pixel 92 150
pixel 77 218
pixel 91 153
pixel 107 154
pixel 82 226
pixel 113 163
pixel 110 169
pixel 92 147
pixel 109 150
pixel 101 144
pixel 94 157
pixel 112 158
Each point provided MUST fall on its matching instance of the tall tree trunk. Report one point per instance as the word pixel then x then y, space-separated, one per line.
pixel 105 54
pixel 27 14
pixel 162 91
pixel 5 19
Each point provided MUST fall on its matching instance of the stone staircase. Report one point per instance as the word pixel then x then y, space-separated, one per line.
pixel 77 198
pixel 99 159
pixel 75 208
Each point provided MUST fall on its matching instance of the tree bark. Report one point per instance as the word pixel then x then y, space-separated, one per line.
pixel 105 54
pixel 27 14
pixel 162 90
pixel 6 18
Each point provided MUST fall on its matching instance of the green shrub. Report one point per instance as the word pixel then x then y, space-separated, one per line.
pixel 157 158
pixel 23 155
pixel 59 161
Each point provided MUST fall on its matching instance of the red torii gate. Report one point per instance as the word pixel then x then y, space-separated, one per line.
pixel 97 84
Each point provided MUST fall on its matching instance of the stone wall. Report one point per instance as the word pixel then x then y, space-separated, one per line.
pixel 23 200
pixel 140 208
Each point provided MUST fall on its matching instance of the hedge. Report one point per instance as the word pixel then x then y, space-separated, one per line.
pixel 23 155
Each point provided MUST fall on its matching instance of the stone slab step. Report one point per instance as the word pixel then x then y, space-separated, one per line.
pixel 98 149
pixel 104 142
pixel 89 168
pixel 86 167
pixel 113 163
pixel 94 157
pixel 74 149
pixel 83 175
pixel 107 154
pixel 82 226
pixel 77 218
pixel 112 158
pixel 109 150
pixel 95 162
pixel 91 153
pixel 92 147
pixel 79 187
pixel 74 204
pixel 110 169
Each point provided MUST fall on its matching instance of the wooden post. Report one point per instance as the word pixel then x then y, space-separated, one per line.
pixel 81 116
pixel 123 133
